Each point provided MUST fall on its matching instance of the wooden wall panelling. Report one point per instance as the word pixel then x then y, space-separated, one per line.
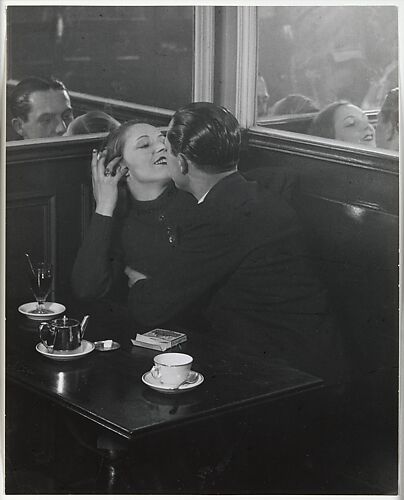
pixel 355 250
pixel 48 208
pixel 333 171
pixel 30 227
pixel 348 204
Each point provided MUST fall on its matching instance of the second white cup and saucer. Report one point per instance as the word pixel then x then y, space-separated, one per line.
pixel 172 374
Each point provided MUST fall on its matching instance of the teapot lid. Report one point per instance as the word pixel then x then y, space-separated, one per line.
pixel 65 321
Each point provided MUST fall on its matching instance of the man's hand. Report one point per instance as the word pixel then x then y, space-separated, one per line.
pixel 133 276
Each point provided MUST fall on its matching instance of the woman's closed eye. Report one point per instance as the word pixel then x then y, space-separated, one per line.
pixel 349 122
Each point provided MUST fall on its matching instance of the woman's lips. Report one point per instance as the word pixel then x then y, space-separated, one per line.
pixel 161 161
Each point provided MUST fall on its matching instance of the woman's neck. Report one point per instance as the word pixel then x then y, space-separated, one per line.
pixel 146 191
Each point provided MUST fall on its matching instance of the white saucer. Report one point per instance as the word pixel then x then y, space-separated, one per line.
pixel 29 308
pixel 150 381
pixel 85 348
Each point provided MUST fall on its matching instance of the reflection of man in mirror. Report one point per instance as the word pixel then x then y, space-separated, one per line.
pixel 40 108
pixel 387 128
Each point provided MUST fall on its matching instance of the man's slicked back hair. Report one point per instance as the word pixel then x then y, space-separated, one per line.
pixel 19 103
pixel 208 135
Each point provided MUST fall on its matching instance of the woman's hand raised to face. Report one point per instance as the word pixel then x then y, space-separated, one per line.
pixel 105 184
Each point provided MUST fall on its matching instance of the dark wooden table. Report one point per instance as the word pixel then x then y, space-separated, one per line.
pixel 106 387
pixel 103 393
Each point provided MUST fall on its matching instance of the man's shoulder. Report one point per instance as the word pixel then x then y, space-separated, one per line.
pixel 252 210
pixel 254 197
pixel 259 213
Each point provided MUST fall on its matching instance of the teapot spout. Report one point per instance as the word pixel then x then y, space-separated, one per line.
pixel 83 325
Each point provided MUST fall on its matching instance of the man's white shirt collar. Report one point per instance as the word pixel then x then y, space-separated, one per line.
pixel 202 199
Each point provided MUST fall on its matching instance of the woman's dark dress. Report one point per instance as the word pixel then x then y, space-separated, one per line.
pixel 143 239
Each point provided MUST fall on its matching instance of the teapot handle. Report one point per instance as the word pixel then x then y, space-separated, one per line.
pixel 43 340
pixel 83 326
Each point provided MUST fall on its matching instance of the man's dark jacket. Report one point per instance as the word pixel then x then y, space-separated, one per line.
pixel 241 257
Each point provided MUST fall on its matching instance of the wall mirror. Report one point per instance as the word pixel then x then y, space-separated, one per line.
pixel 312 56
pixel 135 54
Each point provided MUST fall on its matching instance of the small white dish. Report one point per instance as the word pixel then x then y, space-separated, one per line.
pixel 85 348
pixel 29 310
pixel 106 345
pixel 194 377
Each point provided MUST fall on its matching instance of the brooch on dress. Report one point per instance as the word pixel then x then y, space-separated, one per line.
pixel 171 231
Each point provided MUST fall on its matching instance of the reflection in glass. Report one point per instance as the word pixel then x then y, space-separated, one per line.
pixel 344 122
pixel 327 54
pixel 387 129
pixel 91 123
pixel 294 104
pixel 38 108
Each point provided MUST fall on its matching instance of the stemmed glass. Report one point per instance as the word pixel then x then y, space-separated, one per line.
pixel 41 282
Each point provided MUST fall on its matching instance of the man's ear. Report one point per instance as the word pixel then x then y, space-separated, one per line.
pixel 184 167
pixel 16 123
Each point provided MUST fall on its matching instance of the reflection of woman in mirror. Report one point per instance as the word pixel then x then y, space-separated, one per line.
pixel 147 232
pixel 345 122
pixel 294 104
pixel 92 123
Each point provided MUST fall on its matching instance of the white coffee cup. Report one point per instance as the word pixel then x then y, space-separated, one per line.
pixel 172 368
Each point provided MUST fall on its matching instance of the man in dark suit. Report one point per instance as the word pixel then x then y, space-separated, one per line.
pixel 40 108
pixel 240 256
